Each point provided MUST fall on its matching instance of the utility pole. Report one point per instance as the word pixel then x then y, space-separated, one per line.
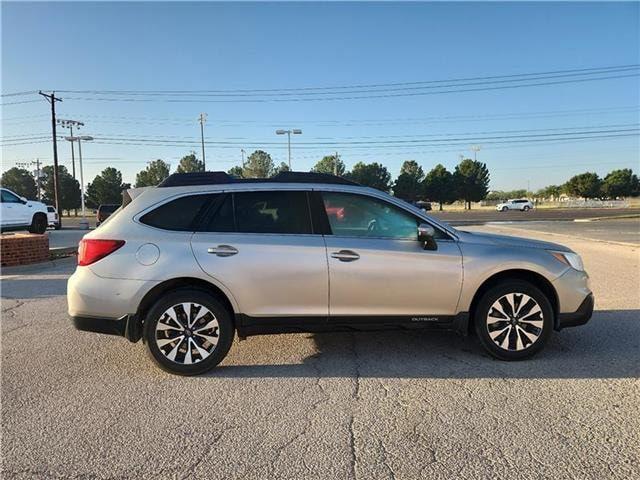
pixel 52 99
pixel 335 164
pixel 242 152
pixel 202 119
pixel 70 124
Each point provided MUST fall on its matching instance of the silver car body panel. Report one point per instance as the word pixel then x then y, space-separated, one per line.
pixel 295 275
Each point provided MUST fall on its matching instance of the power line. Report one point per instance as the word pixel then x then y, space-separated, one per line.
pixel 18 103
pixel 372 90
pixel 18 94
pixel 10 138
pixel 349 122
pixel 358 97
pixel 584 71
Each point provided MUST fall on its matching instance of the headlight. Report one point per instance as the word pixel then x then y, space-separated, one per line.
pixel 570 258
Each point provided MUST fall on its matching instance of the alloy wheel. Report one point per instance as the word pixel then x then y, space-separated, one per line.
pixel 187 333
pixel 515 321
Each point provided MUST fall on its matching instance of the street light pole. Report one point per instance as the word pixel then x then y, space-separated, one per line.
pixel 84 223
pixel 202 119
pixel 242 152
pixel 476 149
pixel 295 131
pixel 70 124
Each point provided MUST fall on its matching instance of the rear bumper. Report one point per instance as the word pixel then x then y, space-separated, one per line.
pixel 127 326
pixel 579 317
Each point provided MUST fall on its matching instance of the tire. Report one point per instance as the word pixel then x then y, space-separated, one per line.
pixel 166 323
pixel 531 329
pixel 526 208
pixel 39 224
pixel 504 209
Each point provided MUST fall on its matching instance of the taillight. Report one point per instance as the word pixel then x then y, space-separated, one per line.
pixel 90 250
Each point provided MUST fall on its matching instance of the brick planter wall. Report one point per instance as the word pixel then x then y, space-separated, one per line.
pixel 23 248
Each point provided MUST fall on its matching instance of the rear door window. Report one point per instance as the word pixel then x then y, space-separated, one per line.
pixel 284 212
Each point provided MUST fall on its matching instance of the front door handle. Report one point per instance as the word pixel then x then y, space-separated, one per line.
pixel 345 255
pixel 222 250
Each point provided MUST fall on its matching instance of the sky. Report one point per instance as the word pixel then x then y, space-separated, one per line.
pixel 204 50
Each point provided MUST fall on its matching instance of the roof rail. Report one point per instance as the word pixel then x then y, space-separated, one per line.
pixel 221 178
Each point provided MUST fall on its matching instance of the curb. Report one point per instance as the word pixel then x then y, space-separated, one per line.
pixel 572 237
pixel 613 217
pixel 60 252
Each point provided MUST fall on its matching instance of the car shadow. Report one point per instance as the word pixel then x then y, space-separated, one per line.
pixel 607 347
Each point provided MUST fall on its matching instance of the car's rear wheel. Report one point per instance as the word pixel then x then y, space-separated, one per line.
pixel 513 320
pixel 526 208
pixel 39 224
pixel 188 332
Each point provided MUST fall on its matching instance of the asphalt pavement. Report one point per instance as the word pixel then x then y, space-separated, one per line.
pixel 481 216
pixel 623 230
pixel 351 406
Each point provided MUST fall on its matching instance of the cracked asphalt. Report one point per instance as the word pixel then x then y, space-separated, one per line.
pixel 332 406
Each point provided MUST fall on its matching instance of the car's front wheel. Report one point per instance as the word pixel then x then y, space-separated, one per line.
pixel 513 320
pixel 188 332
pixel 504 209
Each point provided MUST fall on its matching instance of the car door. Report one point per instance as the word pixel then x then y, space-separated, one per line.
pixel 261 245
pixel 12 208
pixel 377 267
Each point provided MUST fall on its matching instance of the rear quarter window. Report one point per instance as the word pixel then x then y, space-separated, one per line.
pixel 179 214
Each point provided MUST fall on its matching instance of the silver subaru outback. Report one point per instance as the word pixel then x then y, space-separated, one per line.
pixel 203 256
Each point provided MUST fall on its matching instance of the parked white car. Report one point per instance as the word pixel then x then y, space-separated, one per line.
pixel 18 213
pixel 53 218
pixel 523 205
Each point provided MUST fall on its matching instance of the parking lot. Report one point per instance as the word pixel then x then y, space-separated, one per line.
pixel 359 406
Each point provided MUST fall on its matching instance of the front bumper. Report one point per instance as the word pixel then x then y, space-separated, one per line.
pixel 579 317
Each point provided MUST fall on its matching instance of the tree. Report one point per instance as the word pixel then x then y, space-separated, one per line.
pixel 259 165
pixel 330 164
pixel 438 185
pixel 372 175
pixel 500 195
pixel 552 191
pixel 155 173
pixel 621 183
pixel 106 188
pixel 284 167
pixel 408 185
pixel 20 181
pixel 472 181
pixel 189 163
pixel 586 185
pixel 236 171
pixel 69 188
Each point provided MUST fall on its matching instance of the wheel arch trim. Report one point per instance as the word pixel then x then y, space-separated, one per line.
pixel 184 282
pixel 535 278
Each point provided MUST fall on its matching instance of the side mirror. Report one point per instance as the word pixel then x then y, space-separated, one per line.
pixel 23 200
pixel 425 236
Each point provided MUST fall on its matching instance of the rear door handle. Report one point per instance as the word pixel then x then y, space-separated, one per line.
pixel 345 255
pixel 222 250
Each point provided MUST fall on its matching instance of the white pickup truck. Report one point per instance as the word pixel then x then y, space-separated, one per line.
pixel 18 213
